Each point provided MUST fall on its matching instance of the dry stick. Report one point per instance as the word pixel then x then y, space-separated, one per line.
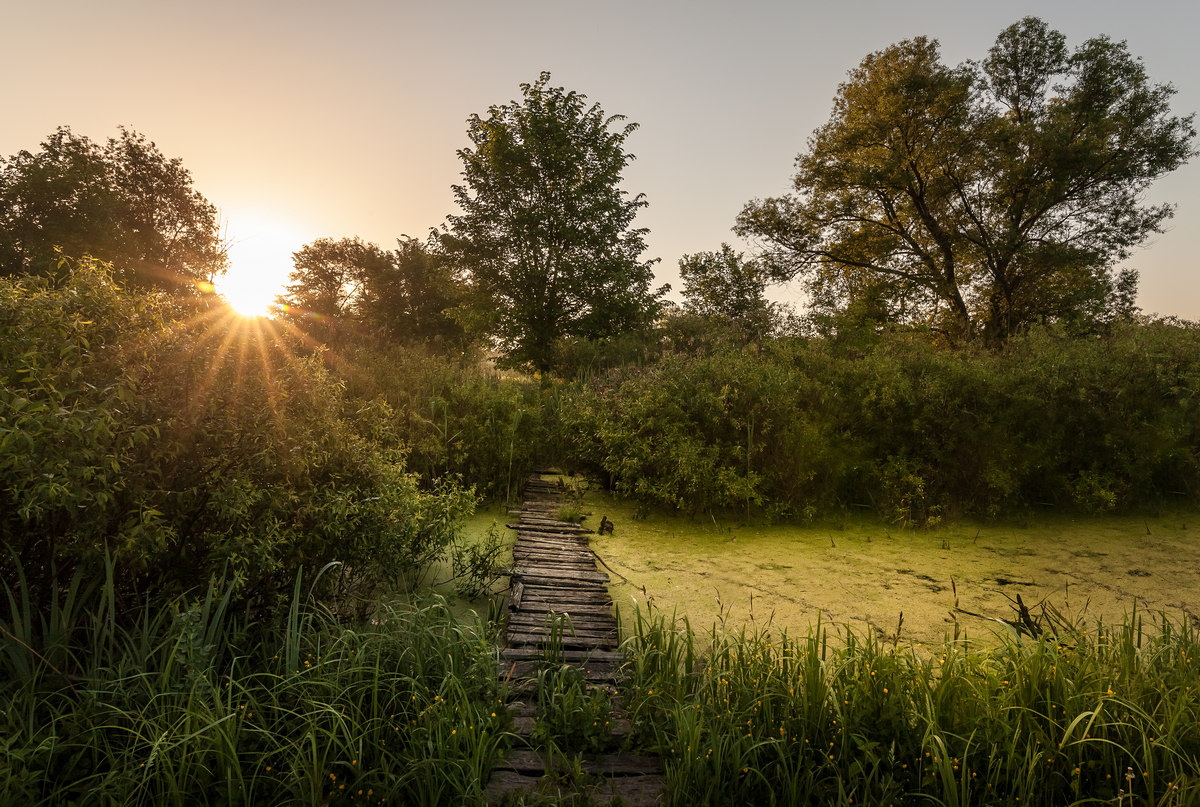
pixel 611 569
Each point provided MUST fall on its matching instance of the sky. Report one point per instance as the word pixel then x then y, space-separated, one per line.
pixel 301 120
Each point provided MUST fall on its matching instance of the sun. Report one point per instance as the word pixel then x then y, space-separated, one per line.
pixel 260 260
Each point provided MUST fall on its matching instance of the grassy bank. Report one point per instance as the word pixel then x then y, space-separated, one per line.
pixel 190 703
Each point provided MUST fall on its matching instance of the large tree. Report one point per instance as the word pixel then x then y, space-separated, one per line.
pixel 545 234
pixel 123 202
pixel 983 197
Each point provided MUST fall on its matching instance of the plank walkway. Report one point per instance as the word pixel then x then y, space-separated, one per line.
pixel 554 573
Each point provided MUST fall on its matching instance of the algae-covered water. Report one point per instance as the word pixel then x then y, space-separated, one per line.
pixel 863 573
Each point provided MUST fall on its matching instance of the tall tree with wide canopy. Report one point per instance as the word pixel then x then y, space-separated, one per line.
pixel 545 235
pixel 123 202
pixel 984 197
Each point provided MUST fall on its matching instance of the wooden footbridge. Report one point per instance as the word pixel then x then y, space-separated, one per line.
pixel 560 613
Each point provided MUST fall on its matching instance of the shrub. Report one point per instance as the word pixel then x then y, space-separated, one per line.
pixel 187 444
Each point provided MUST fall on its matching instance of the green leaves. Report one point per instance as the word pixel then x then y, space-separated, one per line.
pixel 192 447
pixel 123 202
pixel 545 234
pixel 983 198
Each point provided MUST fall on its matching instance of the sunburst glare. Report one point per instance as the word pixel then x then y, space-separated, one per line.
pixel 260 257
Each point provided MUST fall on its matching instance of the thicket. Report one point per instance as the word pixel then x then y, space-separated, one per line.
pixel 184 443
pixel 460 418
pixel 901 425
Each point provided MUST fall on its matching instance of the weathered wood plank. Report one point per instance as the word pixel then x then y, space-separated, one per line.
pixel 573 611
pixel 537 639
pixel 529 572
pixel 567 618
pixel 521 653
pixel 578 633
pixel 596 592
pixel 601 671
pixel 529 761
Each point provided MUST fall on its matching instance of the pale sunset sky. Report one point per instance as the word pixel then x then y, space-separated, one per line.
pixel 301 120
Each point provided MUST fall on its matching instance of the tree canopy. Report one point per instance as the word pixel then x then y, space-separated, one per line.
pixel 123 202
pixel 545 235
pixel 407 294
pixel 723 285
pixel 984 197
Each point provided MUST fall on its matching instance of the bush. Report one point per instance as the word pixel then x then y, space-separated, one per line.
pixel 912 429
pixel 191 444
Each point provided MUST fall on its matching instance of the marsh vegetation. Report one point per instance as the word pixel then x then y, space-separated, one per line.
pixel 230 544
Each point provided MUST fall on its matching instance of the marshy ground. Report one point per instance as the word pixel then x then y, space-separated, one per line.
pixel 864 573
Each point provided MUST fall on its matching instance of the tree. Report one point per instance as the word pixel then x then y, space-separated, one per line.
pixel 723 285
pixel 984 197
pixel 413 297
pixel 545 235
pixel 330 277
pixel 124 203
pixel 406 294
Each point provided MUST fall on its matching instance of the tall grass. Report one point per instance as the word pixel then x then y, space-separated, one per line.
pixel 1106 715
pixel 187 703
pixel 191 702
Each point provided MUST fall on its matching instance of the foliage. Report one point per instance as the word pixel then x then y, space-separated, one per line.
pixel 190 700
pixel 459 418
pixel 330 276
pixel 1106 713
pixel 476 565
pixel 190 447
pixel 984 197
pixel 545 234
pixel 911 429
pixel 347 287
pixel 724 286
pixel 123 202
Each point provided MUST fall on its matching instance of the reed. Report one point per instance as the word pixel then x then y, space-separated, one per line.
pixel 186 703
pixel 1100 714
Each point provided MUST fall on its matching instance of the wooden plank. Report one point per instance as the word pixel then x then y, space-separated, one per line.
pixel 632 791
pixel 557 551
pixel 529 761
pixel 572 611
pixel 566 618
pixel 537 572
pixel 525 653
pixel 505 783
pixel 550 526
pixel 621 764
pixel 573 571
pixel 572 555
pixel 553 543
pixel 560 605
pixel 601 671
pixel 576 628
pixel 597 593
pixel 576 640
pixel 568 642
pixel 582 632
